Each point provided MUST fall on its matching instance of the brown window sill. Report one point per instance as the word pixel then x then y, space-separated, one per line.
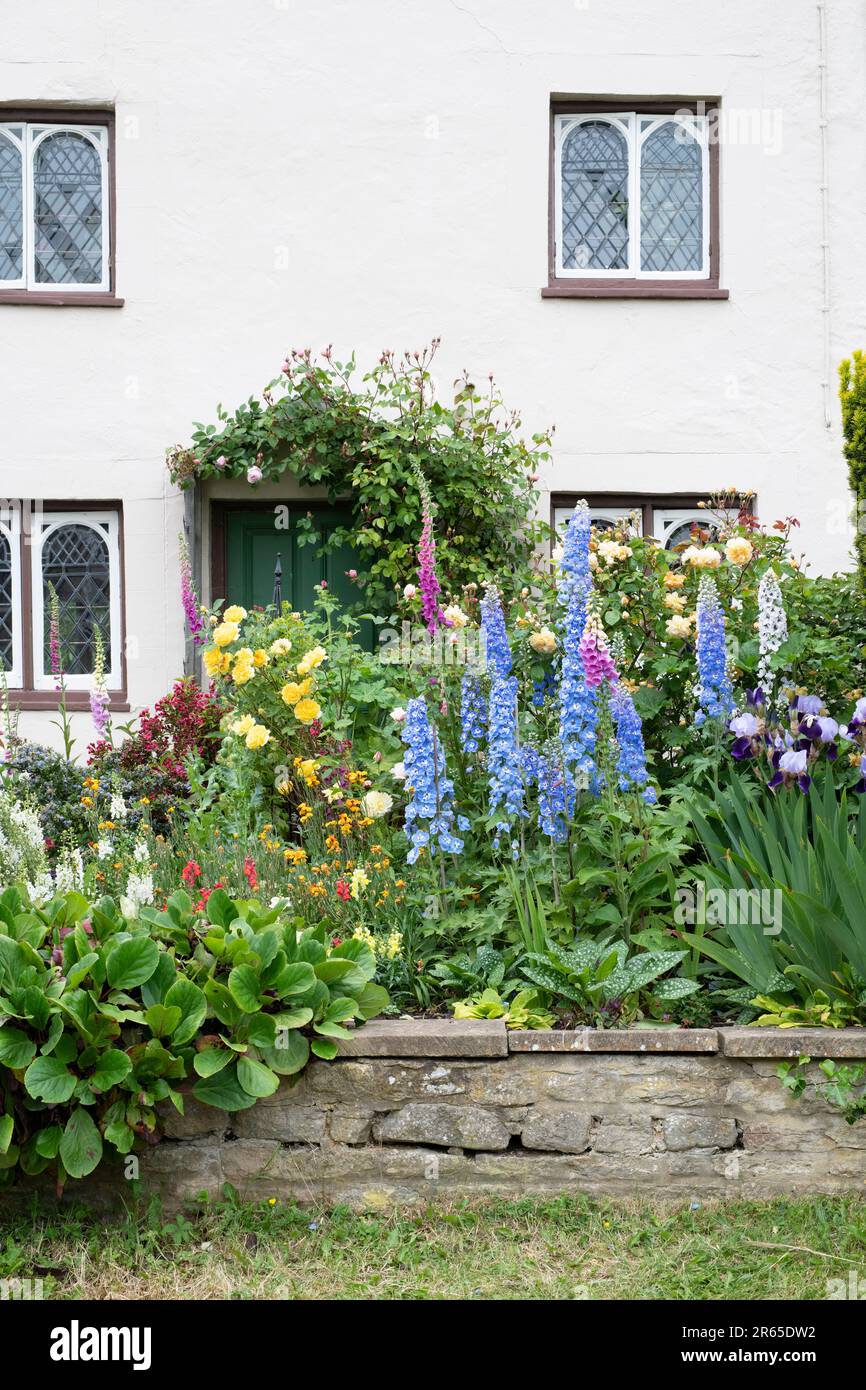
pixel 77 701
pixel 633 289
pixel 56 298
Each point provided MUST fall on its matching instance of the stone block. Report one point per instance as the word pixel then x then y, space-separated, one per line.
pixel 182 1169
pixel 665 1083
pixel 630 1135
pixel 197 1121
pixel 699 1132
pixel 290 1124
pixel 351 1124
pixel 615 1040
pixel 793 1042
pixel 557 1129
pixel 460 1126
pixel 427 1037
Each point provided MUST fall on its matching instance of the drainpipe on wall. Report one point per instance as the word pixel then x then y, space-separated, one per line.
pixel 192 535
pixel 825 207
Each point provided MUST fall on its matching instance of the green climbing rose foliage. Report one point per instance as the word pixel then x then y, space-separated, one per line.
pixel 852 397
pixel 364 440
pixel 104 1020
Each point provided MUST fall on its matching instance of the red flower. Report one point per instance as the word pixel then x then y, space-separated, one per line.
pixel 250 874
pixel 343 890
pixel 190 872
pixel 205 894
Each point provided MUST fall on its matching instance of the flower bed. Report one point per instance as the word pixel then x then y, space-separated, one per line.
pixel 625 792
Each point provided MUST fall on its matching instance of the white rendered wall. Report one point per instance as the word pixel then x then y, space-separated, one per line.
pixel 375 174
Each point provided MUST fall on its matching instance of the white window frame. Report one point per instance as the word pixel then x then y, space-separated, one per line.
pixel 10 526
pixel 636 126
pixel 28 136
pixel 666 520
pixel 614 515
pixel 45 524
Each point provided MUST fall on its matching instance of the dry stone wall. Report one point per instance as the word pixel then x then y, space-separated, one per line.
pixel 417 1111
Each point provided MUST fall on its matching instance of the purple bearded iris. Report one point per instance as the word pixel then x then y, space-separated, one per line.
pixel 790 766
pixel 746 729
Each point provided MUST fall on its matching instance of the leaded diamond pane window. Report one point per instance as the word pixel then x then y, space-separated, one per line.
pixel 632 196
pixel 7 611
pixel 76 567
pixel 595 197
pixel 54 225
pixel 67 186
pixel 11 208
pixel 671 200
pixel 679 528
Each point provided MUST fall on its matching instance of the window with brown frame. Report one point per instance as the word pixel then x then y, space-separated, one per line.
pixel 668 518
pixel 57 207
pixel 634 199
pixel 71 553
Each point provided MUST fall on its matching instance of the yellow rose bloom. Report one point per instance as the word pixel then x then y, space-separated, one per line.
pixel 676 602
pixel 673 581
pixel 213 660
pixel 242 672
pixel 454 616
pixel 543 641
pixel 311 659
pixel 241 727
pixel 307 710
pixel 260 657
pixel 258 736
pixel 678 626
pixel 225 634
pixel 706 559
pixel 235 614
pixel 295 691
pixel 281 647
pixel 738 550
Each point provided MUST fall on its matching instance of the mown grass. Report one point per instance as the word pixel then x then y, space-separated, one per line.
pixel 564 1248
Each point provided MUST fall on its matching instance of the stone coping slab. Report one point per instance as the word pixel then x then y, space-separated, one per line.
pixel 427 1037
pixel 792 1042
pixel 615 1040
pixel 481 1037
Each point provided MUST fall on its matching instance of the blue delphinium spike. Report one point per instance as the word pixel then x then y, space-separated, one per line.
pixel 715 694
pixel 429 819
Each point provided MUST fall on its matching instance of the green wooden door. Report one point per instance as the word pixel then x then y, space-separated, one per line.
pixel 253 543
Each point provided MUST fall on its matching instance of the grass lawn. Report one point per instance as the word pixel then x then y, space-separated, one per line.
pixel 563 1248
